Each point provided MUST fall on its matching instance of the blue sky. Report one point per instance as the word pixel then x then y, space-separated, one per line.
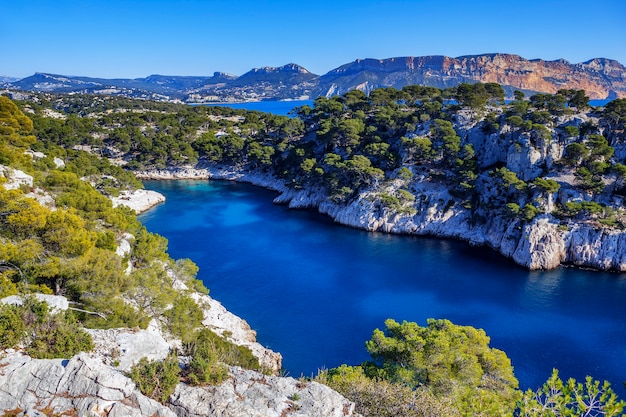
pixel 136 38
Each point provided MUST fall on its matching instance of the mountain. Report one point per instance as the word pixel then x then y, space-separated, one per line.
pixel 153 86
pixel 277 83
pixel 6 79
pixel 601 78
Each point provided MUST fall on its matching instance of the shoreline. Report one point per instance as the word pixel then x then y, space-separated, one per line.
pixel 540 245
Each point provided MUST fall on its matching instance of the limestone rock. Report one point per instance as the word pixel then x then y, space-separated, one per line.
pixel 123 348
pixel 138 200
pixel 81 385
pixel 15 178
pixel 540 245
pixel 252 394
pixel 237 330
pixel 56 303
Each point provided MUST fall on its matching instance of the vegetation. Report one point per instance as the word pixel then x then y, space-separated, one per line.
pixel 446 369
pixel 384 143
pixel 156 379
pixel 43 334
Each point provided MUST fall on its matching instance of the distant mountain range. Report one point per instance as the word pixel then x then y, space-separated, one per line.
pixel 601 78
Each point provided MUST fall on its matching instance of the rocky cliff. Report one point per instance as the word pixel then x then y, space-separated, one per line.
pixel 600 78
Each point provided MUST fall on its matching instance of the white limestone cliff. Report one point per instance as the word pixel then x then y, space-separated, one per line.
pixel 539 245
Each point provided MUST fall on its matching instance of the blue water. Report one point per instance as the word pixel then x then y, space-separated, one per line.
pixel 314 290
pixel 284 107
pixel 281 108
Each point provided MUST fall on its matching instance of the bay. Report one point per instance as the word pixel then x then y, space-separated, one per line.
pixel 315 291
pixel 281 108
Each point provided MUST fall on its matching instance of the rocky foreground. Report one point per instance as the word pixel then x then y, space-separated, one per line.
pixel 95 383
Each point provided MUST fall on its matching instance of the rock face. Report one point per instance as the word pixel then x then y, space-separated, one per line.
pixel 84 385
pixel 237 330
pixel 138 200
pixel 15 178
pixel 249 393
pixel 601 78
pixel 94 383
pixel 81 384
pixel 539 245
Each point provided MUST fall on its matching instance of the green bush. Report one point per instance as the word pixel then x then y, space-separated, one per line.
pixel 184 317
pixel 381 398
pixel 156 379
pixel 44 335
pixel 571 398
pixel 208 342
pixel 210 353
pixel 204 370
pixel 59 336
pixel 12 327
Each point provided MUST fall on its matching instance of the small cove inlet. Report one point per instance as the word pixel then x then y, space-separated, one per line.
pixel 314 291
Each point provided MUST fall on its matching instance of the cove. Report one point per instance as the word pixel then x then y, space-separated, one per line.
pixel 314 291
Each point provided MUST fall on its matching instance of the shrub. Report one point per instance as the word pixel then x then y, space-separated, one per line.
pixel 381 398
pixel 184 317
pixel 529 212
pixel 571 131
pixel 44 335
pixel 547 185
pixel 156 379
pixel 59 336
pixel 571 398
pixel 12 327
pixel 208 343
pixel 204 370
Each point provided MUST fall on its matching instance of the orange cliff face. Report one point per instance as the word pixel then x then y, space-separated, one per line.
pixel 600 78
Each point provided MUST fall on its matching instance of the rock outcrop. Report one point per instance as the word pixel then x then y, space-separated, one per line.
pixel 138 200
pixel 81 385
pixel 249 393
pixel 85 385
pixel 95 383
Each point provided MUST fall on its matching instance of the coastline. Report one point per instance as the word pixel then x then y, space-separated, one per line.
pixel 540 245
pixel 138 200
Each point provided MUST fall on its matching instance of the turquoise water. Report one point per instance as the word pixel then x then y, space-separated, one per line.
pixel 314 290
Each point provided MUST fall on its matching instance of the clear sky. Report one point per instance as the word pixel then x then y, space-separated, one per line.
pixel 136 38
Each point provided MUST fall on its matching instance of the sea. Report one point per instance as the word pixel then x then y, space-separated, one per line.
pixel 314 290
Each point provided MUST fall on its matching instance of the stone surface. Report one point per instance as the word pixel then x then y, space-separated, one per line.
pixel 81 385
pixel 56 303
pixel 15 178
pixel 123 348
pixel 138 200
pixel 251 394
pixel 237 330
